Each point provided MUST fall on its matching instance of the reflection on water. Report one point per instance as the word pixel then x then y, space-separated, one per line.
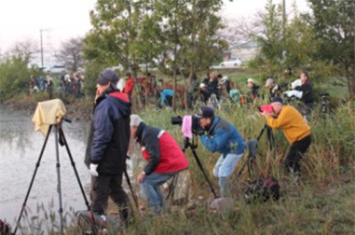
pixel 20 147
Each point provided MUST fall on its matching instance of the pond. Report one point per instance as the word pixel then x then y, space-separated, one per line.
pixel 20 148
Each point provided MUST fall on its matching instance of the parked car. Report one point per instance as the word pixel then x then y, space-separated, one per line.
pixel 231 63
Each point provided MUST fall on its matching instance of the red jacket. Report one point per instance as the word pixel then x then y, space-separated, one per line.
pixel 129 86
pixel 162 152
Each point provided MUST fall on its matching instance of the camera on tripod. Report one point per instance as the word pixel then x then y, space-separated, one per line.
pixel 324 96
pixel 195 124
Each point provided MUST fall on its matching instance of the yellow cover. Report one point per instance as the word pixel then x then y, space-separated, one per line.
pixel 48 113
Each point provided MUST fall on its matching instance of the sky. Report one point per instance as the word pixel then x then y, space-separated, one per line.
pixel 22 20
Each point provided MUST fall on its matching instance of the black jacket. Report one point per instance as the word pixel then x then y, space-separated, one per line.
pixel 148 136
pixel 109 139
pixel 307 89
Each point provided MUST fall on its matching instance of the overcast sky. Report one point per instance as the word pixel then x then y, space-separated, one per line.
pixel 62 19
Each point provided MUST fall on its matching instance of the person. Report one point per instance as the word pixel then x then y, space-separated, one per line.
pixel 108 145
pixel 49 86
pixel 288 74
pixel 166 96
pixel 307 90
pixel 221 136
pixel 253 89
pixel 128 89
pixel 296 130
pixel 164 157
pixel 212 86
pixel 235 97
pixel 274 90
pixel 192 92
pixel 227 82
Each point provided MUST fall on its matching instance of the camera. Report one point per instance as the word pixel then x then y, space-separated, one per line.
pixel 195 125
pixel 266 109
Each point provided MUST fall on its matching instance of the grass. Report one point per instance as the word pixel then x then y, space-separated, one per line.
pixel 323 204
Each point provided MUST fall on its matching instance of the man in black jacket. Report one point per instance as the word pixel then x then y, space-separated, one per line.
pixel 307 89
pixel 108 145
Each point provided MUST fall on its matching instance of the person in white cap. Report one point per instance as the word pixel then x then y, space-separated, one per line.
pixel 273 88
pixel 164 159
pixel 253 89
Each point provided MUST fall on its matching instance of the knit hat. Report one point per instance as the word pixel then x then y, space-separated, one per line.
pixel 107 76
pixel 269 81
pixel 277 99
pixel 206 112
pixel 135 120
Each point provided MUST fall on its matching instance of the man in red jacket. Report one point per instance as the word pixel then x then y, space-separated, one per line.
pixel 128 89
pixel 164 156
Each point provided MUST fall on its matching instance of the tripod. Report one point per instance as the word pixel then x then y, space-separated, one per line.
pixel 192 146
pixel 62 140
pixel 252 146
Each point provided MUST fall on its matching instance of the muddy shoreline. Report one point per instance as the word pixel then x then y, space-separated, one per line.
pixel 77 110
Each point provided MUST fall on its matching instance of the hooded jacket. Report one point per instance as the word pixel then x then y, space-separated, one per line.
pixel 223 137
pixel 109 140
pixel 160 150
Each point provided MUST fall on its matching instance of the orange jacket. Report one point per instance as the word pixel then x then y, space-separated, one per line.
pixel 292 123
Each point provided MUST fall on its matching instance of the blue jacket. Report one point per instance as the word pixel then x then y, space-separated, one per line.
pixel 111 132
pixel 223 137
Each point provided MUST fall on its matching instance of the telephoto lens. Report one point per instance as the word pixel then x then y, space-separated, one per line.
pixel 176 120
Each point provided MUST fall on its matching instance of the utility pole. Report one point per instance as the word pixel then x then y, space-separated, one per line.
pixel 41 47
pixel 284 28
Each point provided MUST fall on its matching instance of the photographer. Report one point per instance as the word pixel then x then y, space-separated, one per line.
pixel 108 145
pixel 221 136
pixel 307 90
pixel 274 89
pixel 164 156
pixel 296 130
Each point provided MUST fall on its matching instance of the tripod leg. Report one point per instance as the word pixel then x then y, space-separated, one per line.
pixel 131 188
pixel 33 178
pixel 203 171
pixel 59 181
pixel 75 171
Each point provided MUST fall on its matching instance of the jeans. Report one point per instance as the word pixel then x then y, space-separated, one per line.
pixel 150 189
pixel 223 169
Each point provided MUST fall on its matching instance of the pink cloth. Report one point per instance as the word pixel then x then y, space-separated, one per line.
pixel 186 128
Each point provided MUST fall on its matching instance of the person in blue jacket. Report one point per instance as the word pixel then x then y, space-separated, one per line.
pixel 222 137
pixel 165 95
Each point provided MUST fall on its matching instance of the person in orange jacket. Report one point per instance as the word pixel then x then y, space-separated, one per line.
pixel 128 89
pixel 295 128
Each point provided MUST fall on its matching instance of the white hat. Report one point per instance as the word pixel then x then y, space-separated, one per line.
pixel 269 81
pixel 251 80
pixel 135 120
pixel 202 85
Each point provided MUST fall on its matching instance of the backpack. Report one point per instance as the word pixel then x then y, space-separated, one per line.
pixel 262 190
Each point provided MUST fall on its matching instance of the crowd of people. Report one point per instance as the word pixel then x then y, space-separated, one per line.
pixel 113 125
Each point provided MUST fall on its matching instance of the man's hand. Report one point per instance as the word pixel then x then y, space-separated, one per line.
pixel 141 177
pixel 93 170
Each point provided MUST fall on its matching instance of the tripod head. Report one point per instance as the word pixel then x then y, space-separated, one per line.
pixel 187 144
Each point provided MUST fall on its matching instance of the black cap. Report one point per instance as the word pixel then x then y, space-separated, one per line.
pixel 276 99
pixel 107 76
pixel 206 112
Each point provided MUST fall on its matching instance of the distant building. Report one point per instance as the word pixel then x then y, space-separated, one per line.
pixel 245 51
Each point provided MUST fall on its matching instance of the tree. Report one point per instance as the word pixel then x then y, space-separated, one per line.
pixel 188 33
pixel 334 25
pixel 119 34
pixel 70 54
pixel 271 38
